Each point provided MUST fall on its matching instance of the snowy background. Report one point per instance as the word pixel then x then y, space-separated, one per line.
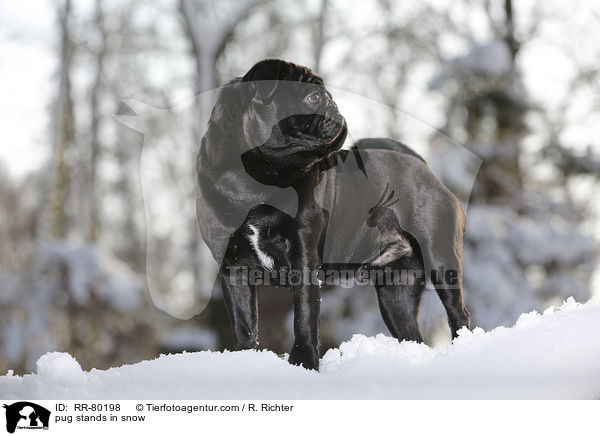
pixel 100 255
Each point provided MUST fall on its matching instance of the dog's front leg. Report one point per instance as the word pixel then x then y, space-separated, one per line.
pixel 306 294
pixel 307 302
pixel 305 351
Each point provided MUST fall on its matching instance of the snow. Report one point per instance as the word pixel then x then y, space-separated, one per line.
pixel 491 59
pixel 90 270
pixel 60 368
pixel 544 246
pixel 501 248
pixel 551 355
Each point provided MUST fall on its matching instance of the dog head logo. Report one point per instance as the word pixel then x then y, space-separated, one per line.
pixel 26 415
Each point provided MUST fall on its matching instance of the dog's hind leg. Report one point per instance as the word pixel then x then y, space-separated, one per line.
pixel 443 260
pixel 447 280
pixel 399 302
pixel 458 316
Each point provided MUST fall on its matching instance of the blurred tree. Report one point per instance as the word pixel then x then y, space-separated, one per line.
pixel 58 288
pixel 516 256
pixel 320 34
pixel 91 200
pixel 493 102
pixel 53 219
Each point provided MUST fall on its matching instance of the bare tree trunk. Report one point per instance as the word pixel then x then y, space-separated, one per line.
pixel 92 218
pixel 510 39
pixel 509 120
pixel 63 134
pixel 320 37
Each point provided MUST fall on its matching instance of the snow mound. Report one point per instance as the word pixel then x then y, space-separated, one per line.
pixel 555 354
pixel 60 368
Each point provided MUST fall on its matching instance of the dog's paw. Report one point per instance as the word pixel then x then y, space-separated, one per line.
pixel 305 355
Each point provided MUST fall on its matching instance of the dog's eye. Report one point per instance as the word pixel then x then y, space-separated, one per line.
pixel 314 98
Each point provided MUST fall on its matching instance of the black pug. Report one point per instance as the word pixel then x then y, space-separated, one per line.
pixel 277 194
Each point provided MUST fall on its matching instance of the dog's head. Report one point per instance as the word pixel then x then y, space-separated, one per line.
pixel 278 119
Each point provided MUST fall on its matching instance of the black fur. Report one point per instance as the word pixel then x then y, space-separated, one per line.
pixel 275 192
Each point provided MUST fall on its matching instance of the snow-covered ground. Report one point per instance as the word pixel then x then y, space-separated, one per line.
pixel 551 355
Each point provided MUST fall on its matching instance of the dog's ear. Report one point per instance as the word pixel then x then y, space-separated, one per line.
pixel 264 77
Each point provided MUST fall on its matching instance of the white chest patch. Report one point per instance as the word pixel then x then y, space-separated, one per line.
pixel 264 258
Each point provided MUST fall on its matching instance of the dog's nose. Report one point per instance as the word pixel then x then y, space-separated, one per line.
pixel 331 109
